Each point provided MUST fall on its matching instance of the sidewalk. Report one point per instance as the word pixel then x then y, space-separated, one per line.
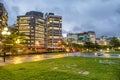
pixel 39 57
pixel 28 58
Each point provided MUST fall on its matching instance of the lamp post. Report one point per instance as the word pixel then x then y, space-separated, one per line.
pixel 37 45
pixel 18 41
pixel 59 45
pixel 5 33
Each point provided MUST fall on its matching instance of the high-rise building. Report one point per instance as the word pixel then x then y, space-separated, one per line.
pixel 53 30
pixel 3 17
pixel 42 32
pixel 32 25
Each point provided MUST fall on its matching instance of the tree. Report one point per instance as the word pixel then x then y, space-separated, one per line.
pixel 78 47
pixel 69 43
pixel 88 45
pixel 12 43
pixel 96 46
pixel 114 43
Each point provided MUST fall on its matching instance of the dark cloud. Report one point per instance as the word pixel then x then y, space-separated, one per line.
pixel 76 29
pixel 101 16
pixel 1 1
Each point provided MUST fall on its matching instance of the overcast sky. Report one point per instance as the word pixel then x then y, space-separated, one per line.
pixel 101 16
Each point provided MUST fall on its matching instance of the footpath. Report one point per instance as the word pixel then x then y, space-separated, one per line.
pixel 39 57
pixel 30 58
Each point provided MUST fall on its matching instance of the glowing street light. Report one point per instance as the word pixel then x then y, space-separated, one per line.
pixel 5 33
pixel 18 41
pixel 59 43
pixel 37 45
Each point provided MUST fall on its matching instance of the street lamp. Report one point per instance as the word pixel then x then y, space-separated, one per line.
pixel 37 44
pixel 59 45
pixel 5 33
pixel 18 41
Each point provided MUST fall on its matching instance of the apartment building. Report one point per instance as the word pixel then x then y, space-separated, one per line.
pixel 3 17
pixel 53 31
pixel 82 37
pixel 32 25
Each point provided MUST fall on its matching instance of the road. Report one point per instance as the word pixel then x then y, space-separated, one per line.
pixel 39 57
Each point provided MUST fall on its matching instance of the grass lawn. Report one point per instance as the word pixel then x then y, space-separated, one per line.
pixel 87 52
pixel 114 52
pixel 69 68
pixel 54 53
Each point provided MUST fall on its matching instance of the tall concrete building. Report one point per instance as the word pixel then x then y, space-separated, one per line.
pixel 42 32
pixel 32 25
pixel 53 30
pixel 3 17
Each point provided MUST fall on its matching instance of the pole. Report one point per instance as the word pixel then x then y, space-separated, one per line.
pixel 5 32
pixel 4 55
pixel 4 52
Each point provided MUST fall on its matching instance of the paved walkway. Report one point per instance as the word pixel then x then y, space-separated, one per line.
pixel 39 57
pixel 29 58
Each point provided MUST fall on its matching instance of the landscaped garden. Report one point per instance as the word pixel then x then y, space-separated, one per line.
pixel 69 68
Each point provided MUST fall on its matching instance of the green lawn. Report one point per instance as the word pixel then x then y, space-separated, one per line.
pixel 70 68
pixel 114 52
pixel 54 53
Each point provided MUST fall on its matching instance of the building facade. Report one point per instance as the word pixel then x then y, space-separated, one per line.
pixel 3 17
pixel 73 37
pixel 83 37
pixel 42 32
pixel 80 38
pixel 92 36
pixel 103 40
pixel 32 25
pixel 53 31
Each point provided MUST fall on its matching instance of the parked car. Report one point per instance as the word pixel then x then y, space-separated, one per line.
pixel 98 54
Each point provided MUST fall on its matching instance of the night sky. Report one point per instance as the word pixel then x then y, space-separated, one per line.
pixel 101 16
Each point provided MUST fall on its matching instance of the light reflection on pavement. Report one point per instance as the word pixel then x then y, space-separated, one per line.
pixel 28 58
pixel 39 57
